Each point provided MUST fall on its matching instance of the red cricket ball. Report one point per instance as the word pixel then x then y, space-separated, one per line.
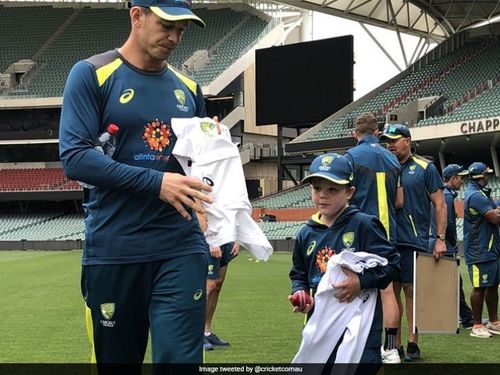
pixel 300 299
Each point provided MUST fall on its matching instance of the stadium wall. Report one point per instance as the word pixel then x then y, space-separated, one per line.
pixel 278 245
pixel 42 245
pixel 293 214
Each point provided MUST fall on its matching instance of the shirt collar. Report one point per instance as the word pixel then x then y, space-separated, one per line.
pixel 368 139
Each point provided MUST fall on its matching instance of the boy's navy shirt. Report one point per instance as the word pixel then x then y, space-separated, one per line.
pixel 352 231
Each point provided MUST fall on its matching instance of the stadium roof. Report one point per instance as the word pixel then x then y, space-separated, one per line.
pixel 434 19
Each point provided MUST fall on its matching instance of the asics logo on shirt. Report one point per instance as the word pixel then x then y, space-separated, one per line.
pixel 198 294
pixel 311 247
pixel 127 96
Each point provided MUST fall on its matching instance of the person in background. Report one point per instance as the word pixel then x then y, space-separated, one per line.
pixel 422 185
pixel 376 178
pixel 482 249
pixel 453 177
pixel 218 260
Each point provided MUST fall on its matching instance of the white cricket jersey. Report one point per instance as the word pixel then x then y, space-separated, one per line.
pixel 330 318
pixel 214 159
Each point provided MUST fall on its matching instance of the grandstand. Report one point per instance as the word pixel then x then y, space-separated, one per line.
pixel 448 95
pixel 39 62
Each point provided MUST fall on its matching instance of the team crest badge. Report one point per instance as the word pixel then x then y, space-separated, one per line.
pixel 181 96
pixel 108 310
pixel 348 239
pixel 207 127
pixel 485 278
pixel 326 160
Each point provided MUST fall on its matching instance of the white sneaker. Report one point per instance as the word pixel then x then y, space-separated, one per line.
pixel 493 328
pixel 390 356
pixel 480 332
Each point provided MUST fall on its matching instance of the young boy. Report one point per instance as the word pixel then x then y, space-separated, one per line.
pixel 335 228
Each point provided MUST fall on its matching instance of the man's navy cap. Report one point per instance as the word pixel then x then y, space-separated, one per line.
pixel 454 170
pixel 478 170
pixel 332 167
pixel 170 10
pixel 396 131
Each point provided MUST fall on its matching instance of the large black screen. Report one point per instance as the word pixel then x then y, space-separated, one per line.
pixel 301 84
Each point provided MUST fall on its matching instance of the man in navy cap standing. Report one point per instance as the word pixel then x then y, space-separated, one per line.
pixel 422 185
pixel 482 249
pixel 144 265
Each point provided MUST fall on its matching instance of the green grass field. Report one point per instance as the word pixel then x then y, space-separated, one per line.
pixel 42 314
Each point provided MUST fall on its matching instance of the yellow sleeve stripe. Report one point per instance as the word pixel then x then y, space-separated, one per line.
pixel 421 163
pixel 490 244
pixel 383 208
pixel 187 81
pixel 473 212
pixel 104 72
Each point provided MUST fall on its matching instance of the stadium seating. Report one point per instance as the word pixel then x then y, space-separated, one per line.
pixel 58 46
pixel 60 226
pixel 35 179
pixel 297 197
pixel 41 227
pixel 283 230
pixel 452 76
pixel 26 29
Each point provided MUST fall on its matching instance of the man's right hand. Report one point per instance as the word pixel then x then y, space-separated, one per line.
pixel 216 252
pixel 179 191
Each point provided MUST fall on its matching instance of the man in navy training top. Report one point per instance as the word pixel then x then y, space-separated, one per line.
pixel 144 265
pixel 422 185
pixel 376 178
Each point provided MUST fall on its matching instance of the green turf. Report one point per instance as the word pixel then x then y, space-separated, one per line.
pixel 41 314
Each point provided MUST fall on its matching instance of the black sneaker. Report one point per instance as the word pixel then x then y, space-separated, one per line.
pixel 215 341
pixel 401 351
pixel 412 351
pixel 207 345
